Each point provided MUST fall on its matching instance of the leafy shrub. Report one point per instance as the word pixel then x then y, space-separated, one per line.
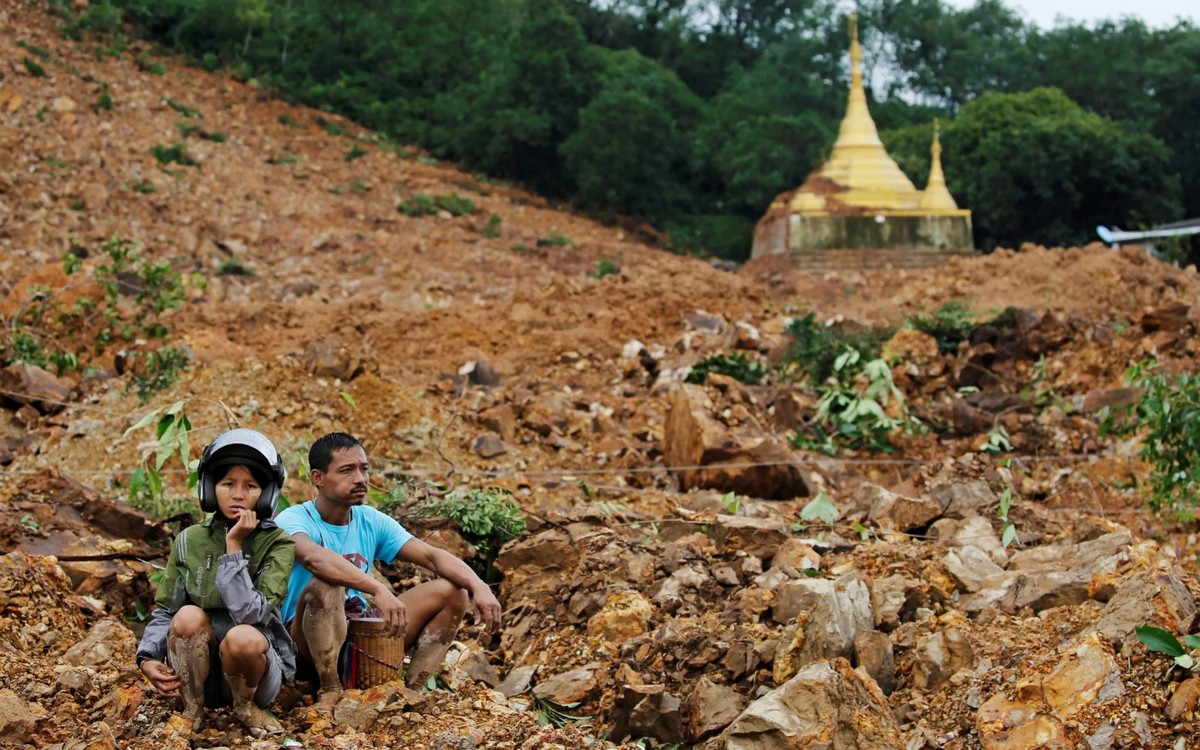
pixel 291 123
pixel 356 151
pixel 418 204
pixel 555 240
pixel 1168 413
pixel 34 68
pixel 605 267
pixel 487 517
pixel 153 68
pixel 455 204
pixel 815 347
pixel 234 267
pixel 737 366
pixel 189 112
pixel 160 370
pixel 491 229
pixel 851 411
pixel 176 153
pixel 950 324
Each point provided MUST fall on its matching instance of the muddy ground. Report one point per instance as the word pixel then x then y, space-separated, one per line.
pixel 643 596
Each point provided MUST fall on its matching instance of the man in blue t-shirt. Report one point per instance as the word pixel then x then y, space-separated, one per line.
pixel 337 539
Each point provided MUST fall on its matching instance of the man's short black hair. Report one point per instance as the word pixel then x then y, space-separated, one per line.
pixel 321 452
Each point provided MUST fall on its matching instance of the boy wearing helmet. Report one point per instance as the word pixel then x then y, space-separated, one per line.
pixel 337 540
pixel 217 637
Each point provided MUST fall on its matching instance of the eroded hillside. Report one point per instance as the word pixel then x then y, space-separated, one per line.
pixel 544 353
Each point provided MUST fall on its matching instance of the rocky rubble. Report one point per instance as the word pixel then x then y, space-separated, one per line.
pixel 670 588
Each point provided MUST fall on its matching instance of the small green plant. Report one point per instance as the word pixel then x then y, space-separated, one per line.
pixel 30 524
pixel 418 204
pixel 176 153
pixel 487 517
pixel 161 370
pixel 34 68
pixel 605 267
pixel 555 240
pixel 491 229
pixel 146 490
pixel 40 52
pixel 150 66
pixel 355 152
pixel 291 123
pixel 949 325
pixel 284 158
pixel 816 347
pixel 349 400
pixel 455 204
pixel 1164 642
pixel 77 204
pixel 1008 534
pixel 996 441
pixel 234 267
pixel 336 129
pixel 104 100
pixel 820 509
pixel 554 714
pixel 737 366
pixel 189 112
pixel 730 503
pixel 1167 416
pixel 144 187
pixel 851 411
pixel 71 263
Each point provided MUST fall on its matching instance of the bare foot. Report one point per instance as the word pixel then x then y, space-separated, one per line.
pixel 259 722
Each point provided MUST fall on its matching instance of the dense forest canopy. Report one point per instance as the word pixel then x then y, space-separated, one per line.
pixel 694 114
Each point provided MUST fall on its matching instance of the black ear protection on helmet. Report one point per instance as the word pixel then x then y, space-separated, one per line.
pixel 249 448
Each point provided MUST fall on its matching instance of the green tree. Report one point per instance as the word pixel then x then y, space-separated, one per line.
pixel 631 150
pixel 1035 166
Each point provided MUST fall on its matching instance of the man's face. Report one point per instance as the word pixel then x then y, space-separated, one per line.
pixel 345 481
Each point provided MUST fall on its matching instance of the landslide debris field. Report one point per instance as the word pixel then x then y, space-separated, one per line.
pixel 677 584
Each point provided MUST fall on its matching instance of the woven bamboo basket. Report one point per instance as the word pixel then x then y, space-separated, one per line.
pixel 378 658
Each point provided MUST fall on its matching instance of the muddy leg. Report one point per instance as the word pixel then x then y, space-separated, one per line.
pixel 321 614
pixel 244 664
pixel 435 610
pixel 189 640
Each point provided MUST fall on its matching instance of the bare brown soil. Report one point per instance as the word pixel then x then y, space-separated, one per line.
pixel 359 318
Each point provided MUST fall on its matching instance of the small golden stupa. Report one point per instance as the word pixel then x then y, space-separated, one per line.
pixel 859 209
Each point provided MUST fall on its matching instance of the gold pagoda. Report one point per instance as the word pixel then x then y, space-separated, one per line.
pixel 859 209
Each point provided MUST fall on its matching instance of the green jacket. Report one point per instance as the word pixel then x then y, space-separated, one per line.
pixel 244 588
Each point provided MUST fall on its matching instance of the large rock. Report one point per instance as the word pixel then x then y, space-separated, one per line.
pixel 647 711
pixel 625 615
pixel 570 687
pixel 749 462
pixel 710 708
pixel 760 537
pixel 960 499
pixel 825 617
pixel 1157 598
pixel 1044 714
pixel 537 566
pixel 896 512
pixel 17 718
pixel 970 567
pixel 937 657
pixel 976 531
pixel 30 384
pixel 107 642
pixel 873 653
pixel 825 706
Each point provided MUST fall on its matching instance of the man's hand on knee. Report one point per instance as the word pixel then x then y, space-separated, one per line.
pixel 393 612
pixel 487 610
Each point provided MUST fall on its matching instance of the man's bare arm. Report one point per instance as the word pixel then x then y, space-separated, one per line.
pixel 334 569
pixel 447 566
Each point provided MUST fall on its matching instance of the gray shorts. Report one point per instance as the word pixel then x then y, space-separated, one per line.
pixel 216 690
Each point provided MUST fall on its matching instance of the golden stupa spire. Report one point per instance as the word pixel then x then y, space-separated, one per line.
pixel 937 196
pixel 859 161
